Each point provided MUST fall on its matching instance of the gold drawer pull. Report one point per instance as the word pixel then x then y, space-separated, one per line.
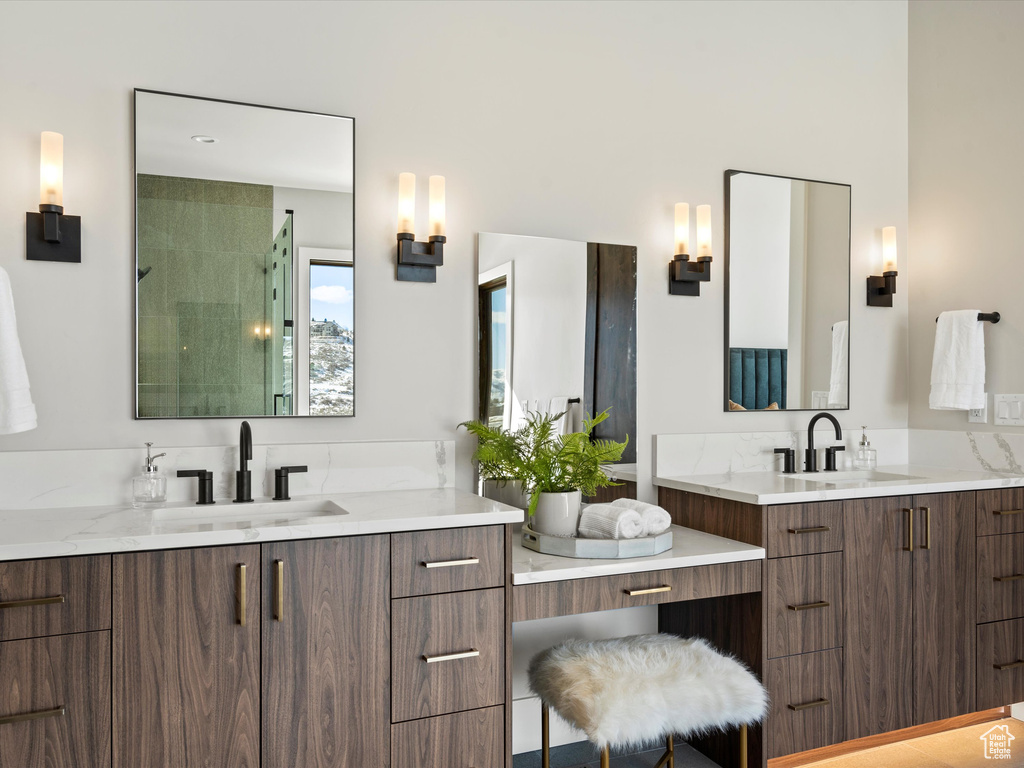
pixel 55 712
pixel 814 529
pixel 32 601
pixel 450 563
pixel 910 530
pixel 240 594
pixel 1015 577
pixel 452 656
pixel 1011 665
pixel 279 590
pixel 809 705
pixel 649 591
pixel 1008 512
pixel 809 606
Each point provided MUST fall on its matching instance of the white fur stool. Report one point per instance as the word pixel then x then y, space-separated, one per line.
pixel 636 690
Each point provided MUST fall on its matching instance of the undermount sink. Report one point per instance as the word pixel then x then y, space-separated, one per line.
pixel 225 514
pixel 854 476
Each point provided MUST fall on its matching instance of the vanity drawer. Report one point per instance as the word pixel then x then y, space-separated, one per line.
pixel 603 593
pixel 1000 577
pixel 1000 663
pixel 804 604
pixel 1000 511
pixel 54 597
pixel 448 560
pixel 64 683
pixel 473 739
pixel 806 694
pixel 805 529
pixel 447 653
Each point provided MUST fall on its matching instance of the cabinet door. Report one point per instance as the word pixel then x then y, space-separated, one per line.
pixel 944 606
pixel 187 658
pixel 878 657
pixel 326 653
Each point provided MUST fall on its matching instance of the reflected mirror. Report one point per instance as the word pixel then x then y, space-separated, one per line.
pixel 244 260
pixel 558 333
pixel 787 309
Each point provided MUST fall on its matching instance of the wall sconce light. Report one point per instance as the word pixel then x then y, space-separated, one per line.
pixel 49 234
pixel 882 288
pixel 417 261
pixel 684 276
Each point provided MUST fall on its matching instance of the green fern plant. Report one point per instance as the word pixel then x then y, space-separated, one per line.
pixel 503 454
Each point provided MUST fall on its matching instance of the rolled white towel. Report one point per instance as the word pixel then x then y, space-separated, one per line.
pixel 603 521
pixel 656 520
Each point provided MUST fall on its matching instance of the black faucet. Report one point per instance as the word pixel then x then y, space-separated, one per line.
pixel 810 457
pixel 243 477
pixel 205 478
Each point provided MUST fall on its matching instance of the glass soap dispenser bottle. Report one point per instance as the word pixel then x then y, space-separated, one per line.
pixel 150 488
pixel 866 457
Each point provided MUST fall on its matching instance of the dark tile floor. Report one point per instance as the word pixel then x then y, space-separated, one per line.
pixel 583 754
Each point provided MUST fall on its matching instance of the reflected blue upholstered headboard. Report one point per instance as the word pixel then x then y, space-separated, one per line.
pixel 757 377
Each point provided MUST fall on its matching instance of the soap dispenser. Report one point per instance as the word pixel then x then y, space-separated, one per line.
pixel 866 457
pixel 150 488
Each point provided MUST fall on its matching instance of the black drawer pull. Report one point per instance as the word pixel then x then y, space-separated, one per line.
pixel 813 529
pixel 1011 665
pixel 809 705
pixel 1015 577
pixel 55 712
pixel 33 601
pixel 809 606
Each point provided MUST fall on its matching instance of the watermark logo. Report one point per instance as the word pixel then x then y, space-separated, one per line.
pixel 997 741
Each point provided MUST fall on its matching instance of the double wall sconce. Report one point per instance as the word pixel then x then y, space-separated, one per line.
pixel 49 234
pixel 685 276
pixel 418 261
pixel 881 288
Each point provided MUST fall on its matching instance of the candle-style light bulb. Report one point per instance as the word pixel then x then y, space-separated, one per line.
pixel 703 231
pixel 407 203
pixel 436 206
pixel 682 228
pixel 888 249
pixel 51 169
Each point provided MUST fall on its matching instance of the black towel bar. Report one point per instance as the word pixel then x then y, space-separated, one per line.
pixel 985 317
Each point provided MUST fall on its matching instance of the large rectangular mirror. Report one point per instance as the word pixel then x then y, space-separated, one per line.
pixel 787 308
pixel 244 260
pixel 558 333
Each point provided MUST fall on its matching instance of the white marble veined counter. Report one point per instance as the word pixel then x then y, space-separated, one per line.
pixel 65 531
pixel 779 488
pixel 689 548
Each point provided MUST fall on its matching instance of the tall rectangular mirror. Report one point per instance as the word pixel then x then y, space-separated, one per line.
pixel 244 260
pixel 558 333
pixel 787 308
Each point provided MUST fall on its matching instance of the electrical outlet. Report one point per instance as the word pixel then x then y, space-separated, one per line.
pixel 979 415
pixel 1009 410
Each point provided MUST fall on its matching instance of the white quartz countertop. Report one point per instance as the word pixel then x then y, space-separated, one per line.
pixel 620 473
pixel 779 488
pixel 58 532
pixel 689 548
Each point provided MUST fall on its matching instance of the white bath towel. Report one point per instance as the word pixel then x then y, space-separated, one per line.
pixel 17 412
pixel 656 519
pixel 958 363
pixel 603 521
pixel 561 405
pixel 839 384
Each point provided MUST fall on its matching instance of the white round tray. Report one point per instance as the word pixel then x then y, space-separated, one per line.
pixel 596 549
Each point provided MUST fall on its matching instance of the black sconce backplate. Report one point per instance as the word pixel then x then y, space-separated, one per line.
pixel 685 276
pixel 67 249
pixel 418 262
pixel 881 289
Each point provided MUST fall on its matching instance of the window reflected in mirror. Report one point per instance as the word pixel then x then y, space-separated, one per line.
pixel 494 335
pixel 331 339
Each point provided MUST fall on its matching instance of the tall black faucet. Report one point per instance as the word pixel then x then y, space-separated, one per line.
pixel 243 477
pixel 810 457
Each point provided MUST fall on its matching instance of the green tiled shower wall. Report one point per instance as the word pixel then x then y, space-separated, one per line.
pixel 206 244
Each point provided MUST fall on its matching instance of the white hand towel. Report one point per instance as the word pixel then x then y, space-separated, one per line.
pixel 603 521
pixel 656 519
pixel 17 412
pixel 560 405
pixel 958 364
pixel 839 382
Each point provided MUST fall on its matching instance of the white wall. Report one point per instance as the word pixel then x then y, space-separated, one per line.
pixel 966 166
pixel 580 121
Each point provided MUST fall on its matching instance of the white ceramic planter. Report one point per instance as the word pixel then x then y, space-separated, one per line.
pixel 505 491
pixel 557 514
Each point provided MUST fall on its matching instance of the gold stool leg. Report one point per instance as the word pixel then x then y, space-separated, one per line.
pixel 606 757
pixel 743 746
pixel 545 736
pixel 671 752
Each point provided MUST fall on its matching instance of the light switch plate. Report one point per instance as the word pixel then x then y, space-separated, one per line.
pixel 979 415
pixel 1009 410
